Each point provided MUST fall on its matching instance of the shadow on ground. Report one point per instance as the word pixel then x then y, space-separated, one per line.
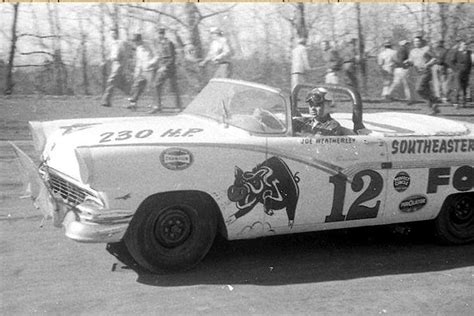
pixel 311 258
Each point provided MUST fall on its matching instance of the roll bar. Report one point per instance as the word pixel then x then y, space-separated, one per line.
pixel 353 94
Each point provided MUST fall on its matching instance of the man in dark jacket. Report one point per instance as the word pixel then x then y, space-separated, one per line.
pixel 165 63
pixel 440 87
pixel 461 63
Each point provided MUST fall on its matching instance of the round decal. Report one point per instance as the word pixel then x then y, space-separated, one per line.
pixel 176 158
pixel 413 203
pixel 401 182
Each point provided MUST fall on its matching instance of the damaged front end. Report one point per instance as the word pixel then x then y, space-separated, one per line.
pixel 80 210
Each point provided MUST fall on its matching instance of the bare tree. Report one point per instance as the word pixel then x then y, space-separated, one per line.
pixel 9 84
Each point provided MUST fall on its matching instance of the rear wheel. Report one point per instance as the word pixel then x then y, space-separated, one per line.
pixel 455 222
pixel 172 232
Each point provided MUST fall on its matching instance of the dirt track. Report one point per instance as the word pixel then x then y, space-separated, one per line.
pixel 363 271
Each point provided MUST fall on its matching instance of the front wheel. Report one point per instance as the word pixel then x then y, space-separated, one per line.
pixel 171 232
pixel 455 222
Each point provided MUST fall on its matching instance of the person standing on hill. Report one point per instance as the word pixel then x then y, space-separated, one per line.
pixel 219 54
pixel 350 58
pixel 422 58
pixel 387 59
pixel 165 64
pixel 118 58
pixel 461 62
pixel 332 61
pixel 440 82
pixel 400 72
pixel 144 73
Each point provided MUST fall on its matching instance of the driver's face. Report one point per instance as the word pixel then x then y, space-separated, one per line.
pixel 317 110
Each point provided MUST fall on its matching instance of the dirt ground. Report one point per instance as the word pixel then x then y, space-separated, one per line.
pixel 368 271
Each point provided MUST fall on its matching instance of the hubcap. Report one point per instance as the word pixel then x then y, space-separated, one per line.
pixel 172 228
pixel 462 212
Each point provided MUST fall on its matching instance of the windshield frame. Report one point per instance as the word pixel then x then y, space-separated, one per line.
pixel 219 112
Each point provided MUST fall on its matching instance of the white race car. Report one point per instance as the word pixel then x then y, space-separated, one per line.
pixel 231 163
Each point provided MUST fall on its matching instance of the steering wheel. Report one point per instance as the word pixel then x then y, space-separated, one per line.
pixel 268 120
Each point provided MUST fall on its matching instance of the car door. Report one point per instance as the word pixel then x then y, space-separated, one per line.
pixel 339 181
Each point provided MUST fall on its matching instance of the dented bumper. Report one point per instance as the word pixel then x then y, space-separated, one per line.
pixel 90 222
pixel 79 210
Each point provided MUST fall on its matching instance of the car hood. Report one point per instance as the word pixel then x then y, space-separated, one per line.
pixel 59 141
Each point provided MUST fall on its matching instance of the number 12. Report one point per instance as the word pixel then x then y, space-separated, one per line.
pixel 356 210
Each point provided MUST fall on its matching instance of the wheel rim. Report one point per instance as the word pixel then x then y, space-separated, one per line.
pixel 462 214
pixel 172 228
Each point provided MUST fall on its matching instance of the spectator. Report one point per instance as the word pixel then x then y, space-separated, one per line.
pixel 332 61
pixel 461 62
pixel 400 72
pixel 422 58
pixel 350 58
pixel 165 63
pixel 219 54
pixel 118 59
pixel 387 60
pixel 144 72
pixel 299 63
pixel 440 80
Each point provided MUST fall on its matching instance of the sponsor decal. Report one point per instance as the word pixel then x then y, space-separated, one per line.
pixel 270 183
pixel 327 140
pixel 432 146
pixel 462 178
pixel 176 158
pixel 413 203
pixel 401 182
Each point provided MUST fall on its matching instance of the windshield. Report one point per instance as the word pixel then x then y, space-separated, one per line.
pixel 250 107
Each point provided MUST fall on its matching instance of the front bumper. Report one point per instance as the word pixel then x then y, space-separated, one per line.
pixel 90 222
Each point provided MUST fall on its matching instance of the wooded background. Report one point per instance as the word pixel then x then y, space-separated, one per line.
pixel 62 49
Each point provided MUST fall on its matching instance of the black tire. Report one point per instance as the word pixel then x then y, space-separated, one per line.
pixel 172 232
pixel 455 222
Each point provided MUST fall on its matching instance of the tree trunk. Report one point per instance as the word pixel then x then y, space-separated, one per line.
pixel 443 17
pixel 84 61
pixel 103 54
pixel 361 48
pixel 9 77
pixel 300 24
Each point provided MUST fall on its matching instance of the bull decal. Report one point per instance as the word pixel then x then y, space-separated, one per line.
pixel 270 183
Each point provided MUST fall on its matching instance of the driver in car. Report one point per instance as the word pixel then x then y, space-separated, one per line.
pixel 319 122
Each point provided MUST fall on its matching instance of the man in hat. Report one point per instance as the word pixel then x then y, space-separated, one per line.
pixel 219 54
pixel 422 58
pixel 165 63
pixel 400 72
pixel 320 122
pixel 386 60
pixel 144 72
pixel 118 62
pixel 461 63
pixel 299 63
pixel 440 72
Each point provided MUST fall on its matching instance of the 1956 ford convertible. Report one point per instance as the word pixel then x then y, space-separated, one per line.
pixel 232 164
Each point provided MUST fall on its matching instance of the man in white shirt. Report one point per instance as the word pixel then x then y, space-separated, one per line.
pixel 386 60
pixel 299 63
pixel 422 58
pixel 144 72
pixel 219 54
pixel 118 58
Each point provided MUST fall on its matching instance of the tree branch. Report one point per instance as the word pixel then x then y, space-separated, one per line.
pixel 218 12
pixel 37 52
pixel 37 36
pixel 155 11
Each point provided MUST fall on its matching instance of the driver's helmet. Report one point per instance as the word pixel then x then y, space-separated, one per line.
pixel 316 96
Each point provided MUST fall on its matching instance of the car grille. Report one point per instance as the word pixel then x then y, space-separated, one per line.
pixel 71 193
